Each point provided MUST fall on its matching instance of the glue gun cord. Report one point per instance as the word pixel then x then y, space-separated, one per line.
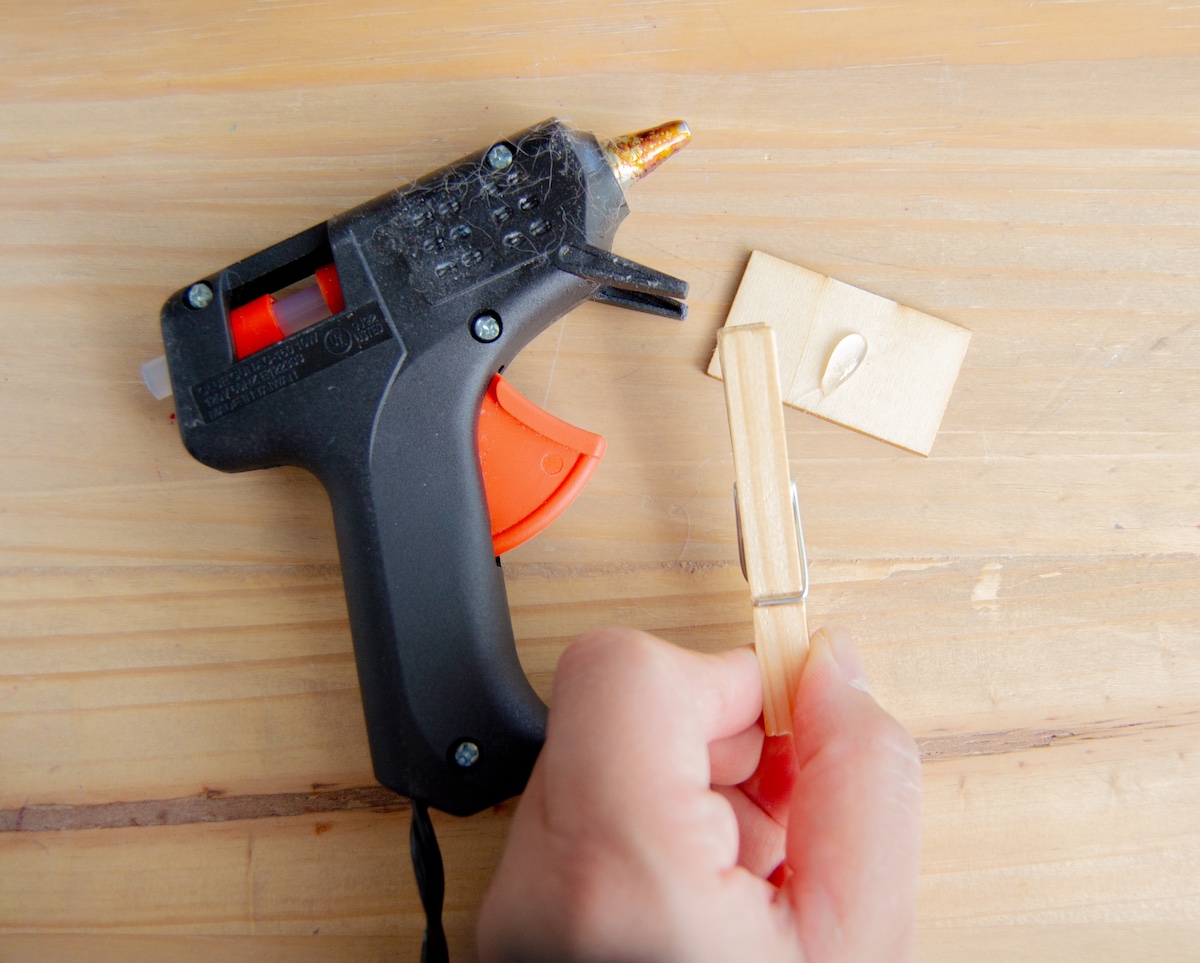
pixel 431 882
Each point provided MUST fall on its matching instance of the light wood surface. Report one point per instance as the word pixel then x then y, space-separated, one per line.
pixel 767 522
pixel 183 768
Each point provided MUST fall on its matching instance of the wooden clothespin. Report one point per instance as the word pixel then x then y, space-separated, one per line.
pixel 772 542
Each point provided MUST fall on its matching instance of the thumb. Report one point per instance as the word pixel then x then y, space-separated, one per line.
pixel 854 823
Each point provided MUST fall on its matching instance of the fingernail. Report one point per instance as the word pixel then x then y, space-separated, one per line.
pixel 845 655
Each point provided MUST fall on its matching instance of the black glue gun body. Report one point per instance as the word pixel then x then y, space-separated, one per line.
pixel 422 296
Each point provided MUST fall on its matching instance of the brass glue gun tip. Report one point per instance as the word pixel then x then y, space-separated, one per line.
pixel 634 156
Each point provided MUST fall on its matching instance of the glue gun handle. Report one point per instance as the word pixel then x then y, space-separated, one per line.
pixel 428 609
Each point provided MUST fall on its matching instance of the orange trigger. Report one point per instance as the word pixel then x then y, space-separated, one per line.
pixel 533 464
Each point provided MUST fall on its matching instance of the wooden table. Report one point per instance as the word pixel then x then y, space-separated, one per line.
pixel 183 766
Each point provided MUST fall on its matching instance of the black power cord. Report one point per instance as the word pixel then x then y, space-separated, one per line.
pixel 431 882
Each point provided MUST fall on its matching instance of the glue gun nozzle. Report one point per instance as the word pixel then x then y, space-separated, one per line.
pixel 634 156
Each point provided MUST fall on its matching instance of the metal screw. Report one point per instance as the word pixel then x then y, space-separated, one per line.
pixel 466 754
pixel 500 157
pixel 199 295
pixel 485 327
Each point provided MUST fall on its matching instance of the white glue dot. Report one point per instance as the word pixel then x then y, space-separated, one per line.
pixel 847 355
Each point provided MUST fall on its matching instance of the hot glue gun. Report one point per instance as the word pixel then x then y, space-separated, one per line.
pixel 367 350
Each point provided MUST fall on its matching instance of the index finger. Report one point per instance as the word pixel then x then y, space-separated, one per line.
pixel 724 689
pixel 634 715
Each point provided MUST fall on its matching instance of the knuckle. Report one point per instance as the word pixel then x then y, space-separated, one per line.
pixel 589 895
pixel 630 650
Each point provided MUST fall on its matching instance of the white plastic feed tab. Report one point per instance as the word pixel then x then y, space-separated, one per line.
pixel 157 378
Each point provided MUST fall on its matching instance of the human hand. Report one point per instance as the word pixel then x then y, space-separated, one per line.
pixel 657 812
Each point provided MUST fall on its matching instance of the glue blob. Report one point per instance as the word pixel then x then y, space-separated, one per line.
pixel 847 355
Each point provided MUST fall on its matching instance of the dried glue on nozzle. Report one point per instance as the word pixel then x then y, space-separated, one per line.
pixel 634 156
pixel 264 321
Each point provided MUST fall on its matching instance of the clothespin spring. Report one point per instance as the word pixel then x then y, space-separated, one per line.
pixel 789 599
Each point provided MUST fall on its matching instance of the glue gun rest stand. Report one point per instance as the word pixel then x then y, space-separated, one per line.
pixel 363 350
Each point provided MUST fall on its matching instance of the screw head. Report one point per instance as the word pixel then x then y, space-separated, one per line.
pixel 500 157
pixel 466 754
pixel 199 295
pixel 485 327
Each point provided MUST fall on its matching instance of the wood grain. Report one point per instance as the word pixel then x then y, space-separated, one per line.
pixel 1025 599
